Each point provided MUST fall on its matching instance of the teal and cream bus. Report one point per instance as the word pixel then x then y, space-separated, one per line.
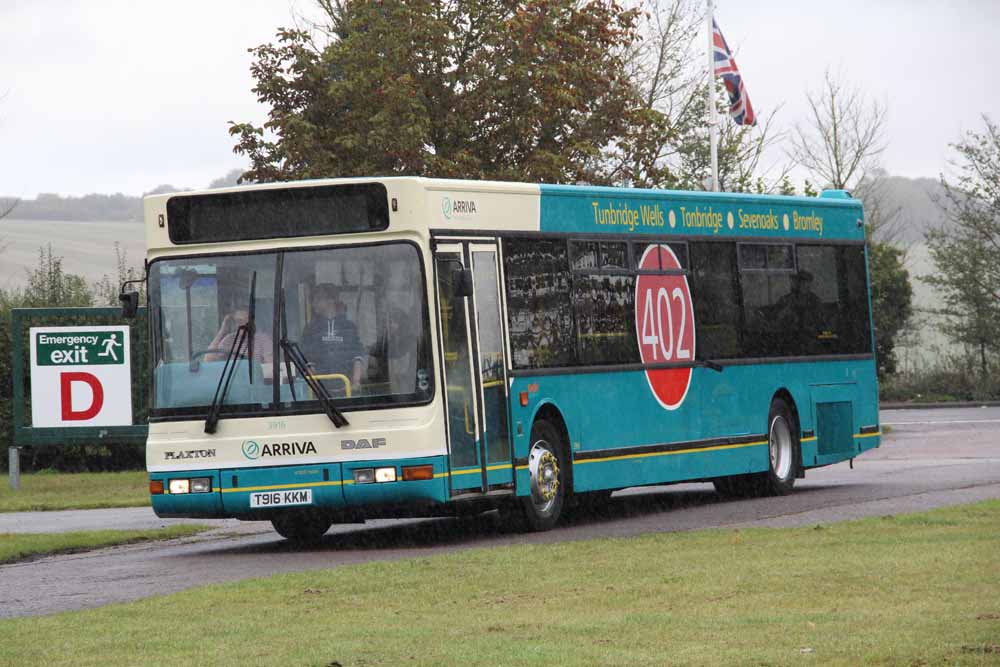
pixel 336 350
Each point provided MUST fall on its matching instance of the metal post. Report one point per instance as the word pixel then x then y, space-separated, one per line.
pixel 713 120
pixel 14 459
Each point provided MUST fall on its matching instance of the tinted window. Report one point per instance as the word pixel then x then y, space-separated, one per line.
pixel 584 255
pixel 832 299
pixel 274 213
pixel 761 256
pixel 538 303
pixel 822 308
pixel 769 310
pixel 716 302
pixel 604 306
pixel 614 256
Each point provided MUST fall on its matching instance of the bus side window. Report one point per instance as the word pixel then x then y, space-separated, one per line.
pixel 539 310
pixel 716 301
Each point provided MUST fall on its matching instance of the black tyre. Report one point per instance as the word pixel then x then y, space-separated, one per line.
pixel 303 527
pixel 736 486
pixel 542 508
pixel 591 502
pixel 783 450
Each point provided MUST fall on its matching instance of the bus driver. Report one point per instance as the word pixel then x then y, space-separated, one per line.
pixel 330 340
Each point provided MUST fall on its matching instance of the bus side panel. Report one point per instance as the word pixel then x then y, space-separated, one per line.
pixel 621 436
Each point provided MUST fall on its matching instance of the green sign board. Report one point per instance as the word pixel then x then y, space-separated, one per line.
pixel 80 348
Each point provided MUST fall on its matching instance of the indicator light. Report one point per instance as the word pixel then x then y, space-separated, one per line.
pixel 416 473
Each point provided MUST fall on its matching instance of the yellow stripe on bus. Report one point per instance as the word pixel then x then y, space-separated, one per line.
pixel 867 435
pixel 679 451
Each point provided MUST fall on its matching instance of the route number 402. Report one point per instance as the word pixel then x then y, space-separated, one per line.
pixel 658 332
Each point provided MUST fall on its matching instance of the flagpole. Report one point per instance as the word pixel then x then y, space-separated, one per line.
pixel 713 120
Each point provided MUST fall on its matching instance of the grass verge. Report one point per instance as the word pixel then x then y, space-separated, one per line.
pixel 18 546
pixel 76 491
pixel 910 590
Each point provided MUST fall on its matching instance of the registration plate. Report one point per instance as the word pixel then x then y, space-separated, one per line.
pixel 281 498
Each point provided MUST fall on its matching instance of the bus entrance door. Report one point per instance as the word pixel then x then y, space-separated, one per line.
pixel 475 372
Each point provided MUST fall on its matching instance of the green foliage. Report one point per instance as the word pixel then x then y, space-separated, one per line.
pixel 955 377
pixel 50 285
pixel 106 290
pixel 20 546
pixel 538 91
pixel 966 252
pixel 533 90
pixel 892 301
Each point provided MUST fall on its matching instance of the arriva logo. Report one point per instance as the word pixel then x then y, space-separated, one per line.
pixel 446 207
pixel 251 449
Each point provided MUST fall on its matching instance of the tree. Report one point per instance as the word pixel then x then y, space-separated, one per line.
pixel 50 286
pixel 535 90
pixel 666 64
pixel 231 178
pixel 966 251
pixel 892 302
pixel 843 137
pixel 839 146
pixel 106 290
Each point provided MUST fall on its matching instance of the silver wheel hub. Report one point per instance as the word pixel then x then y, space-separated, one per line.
pixel 780 447
pixel 543 466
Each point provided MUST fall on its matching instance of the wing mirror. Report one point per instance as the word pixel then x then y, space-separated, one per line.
pixel 461 282
pixel 130 304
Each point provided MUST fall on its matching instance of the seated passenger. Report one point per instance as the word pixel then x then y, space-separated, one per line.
pixel 263 344
pixel 330 340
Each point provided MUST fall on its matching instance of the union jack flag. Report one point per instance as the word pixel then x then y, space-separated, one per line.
pixel 725 66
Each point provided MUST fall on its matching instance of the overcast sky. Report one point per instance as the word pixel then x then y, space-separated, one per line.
pixel 124 95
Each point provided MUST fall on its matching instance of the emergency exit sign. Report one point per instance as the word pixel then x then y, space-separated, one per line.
pixel 81 376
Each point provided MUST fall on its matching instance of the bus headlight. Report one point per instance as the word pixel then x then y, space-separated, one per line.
pixel 201 485
pixel 385 474
pixel 178 486
pixel 364 475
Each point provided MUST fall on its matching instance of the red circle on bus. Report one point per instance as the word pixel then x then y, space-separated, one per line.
pixel 664 325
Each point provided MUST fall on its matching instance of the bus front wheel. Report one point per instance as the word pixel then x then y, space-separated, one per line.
pixel 547 470
pixel 304 527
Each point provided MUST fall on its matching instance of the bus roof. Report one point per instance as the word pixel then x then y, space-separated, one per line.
pixel 477 206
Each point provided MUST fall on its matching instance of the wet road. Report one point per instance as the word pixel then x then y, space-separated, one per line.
pixel 931 458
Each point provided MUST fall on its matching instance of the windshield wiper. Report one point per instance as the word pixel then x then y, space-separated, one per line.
pixel 294 356
pixel 244 334
pixel 294 353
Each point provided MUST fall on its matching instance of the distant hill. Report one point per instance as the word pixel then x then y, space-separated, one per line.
pixel 915 199
pixel 89 208
pixel 97 207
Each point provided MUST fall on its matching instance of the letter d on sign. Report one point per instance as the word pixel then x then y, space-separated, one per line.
pixel 66 381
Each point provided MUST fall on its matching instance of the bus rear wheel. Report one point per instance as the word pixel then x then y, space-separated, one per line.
pixel 302 527
pixel 783 459
pixel 782 449
pixel 542 508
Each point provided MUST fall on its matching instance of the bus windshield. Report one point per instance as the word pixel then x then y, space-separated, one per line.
pixel 356 315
